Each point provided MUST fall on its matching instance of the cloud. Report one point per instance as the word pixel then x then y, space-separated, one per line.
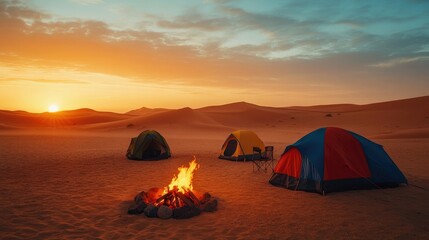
pixel 188 23
pixel 400 61
pixel 87 2
pixel 289 34
pixel 12 73
pixel 244 28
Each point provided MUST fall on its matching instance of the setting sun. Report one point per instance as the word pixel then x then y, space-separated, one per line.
pixel 53 108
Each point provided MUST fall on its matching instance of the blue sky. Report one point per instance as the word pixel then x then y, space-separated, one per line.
pixel 305 52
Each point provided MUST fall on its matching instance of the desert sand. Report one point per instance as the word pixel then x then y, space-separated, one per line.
pixel 65 175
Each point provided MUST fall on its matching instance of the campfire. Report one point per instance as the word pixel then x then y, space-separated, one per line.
pixel 177 200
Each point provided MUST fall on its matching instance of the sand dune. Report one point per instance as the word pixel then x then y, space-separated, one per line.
pixel 7 127
pixel 21 119
pixel 236 107
pixel 408 133
pixel 146 111
pixel 378 119
pixel 181 117
pixel 401 105
pixel 333 108
pixel 184 122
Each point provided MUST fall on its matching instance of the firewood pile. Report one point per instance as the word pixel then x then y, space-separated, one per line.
pixel 177 200
pixel 173 204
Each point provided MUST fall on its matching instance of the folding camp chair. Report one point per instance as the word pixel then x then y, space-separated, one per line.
pixel 263 161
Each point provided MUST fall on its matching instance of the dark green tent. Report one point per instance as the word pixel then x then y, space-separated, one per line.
pixel 148 145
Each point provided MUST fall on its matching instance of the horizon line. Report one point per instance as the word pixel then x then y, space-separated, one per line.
pixel 214 105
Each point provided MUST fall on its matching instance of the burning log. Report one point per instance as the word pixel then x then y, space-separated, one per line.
pixel 164 197
pixel 176 201
pixel 194 198
pixel 185 199
pixel 173 198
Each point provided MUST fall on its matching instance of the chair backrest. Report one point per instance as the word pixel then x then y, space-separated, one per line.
pixel 257 150
pixel 269 152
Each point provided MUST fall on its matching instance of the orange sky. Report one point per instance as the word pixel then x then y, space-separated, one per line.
pixel 47 57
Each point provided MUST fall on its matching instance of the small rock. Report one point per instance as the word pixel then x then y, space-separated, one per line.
pixel 164 212
pixel 186 212
pixel 206 197
pixel 140 197
pixel 210 206
pixel 137 208
pixel 151 211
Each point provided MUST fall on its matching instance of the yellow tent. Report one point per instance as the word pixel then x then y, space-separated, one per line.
pixel 239 146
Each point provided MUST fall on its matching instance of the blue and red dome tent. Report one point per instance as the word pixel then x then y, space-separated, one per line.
pixel 333 159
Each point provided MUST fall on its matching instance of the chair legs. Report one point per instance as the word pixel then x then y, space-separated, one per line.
pixel 262 165
pixel 258 165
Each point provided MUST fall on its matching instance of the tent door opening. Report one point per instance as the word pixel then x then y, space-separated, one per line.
pixel 230 148
pixel 153 150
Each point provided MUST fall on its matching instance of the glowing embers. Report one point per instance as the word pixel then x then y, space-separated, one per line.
pixel 177 200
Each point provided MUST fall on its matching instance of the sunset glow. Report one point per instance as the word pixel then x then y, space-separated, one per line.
pixel 53 108
pixel 124 55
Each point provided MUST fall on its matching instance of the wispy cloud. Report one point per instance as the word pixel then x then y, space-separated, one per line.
pixel 199 24
pixel 87 2
pixel 399 61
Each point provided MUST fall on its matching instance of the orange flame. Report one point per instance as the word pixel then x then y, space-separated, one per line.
pixel 183 181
